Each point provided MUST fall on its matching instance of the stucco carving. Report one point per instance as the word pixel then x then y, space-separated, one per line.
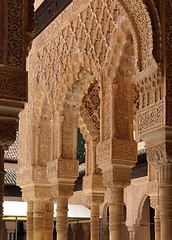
pixel 160 154
pixel 7 133
pixel 13 85
pixel 116 150
pixel 62 168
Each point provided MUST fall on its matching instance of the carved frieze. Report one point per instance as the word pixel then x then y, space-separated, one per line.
pixel 151 117
pixel 168 22
pixel 15 15
pixel 13 85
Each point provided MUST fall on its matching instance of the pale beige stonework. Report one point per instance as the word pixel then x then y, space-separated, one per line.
pixel 103 66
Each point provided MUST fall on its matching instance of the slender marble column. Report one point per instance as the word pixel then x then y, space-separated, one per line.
pixel 132 232
pixel 165 198
pixel 61 220
pixel 39 219
pixel 95 223
pixel 29 224
pixel 157 224
pixel 49 221
pixel 116 214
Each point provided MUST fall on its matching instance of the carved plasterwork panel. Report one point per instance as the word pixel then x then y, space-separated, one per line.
pixel 151 117
pixel 62 168
pixel 116 151
pixel 7 132
pixel 91 103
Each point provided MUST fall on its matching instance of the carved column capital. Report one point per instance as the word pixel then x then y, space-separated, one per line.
pixel 36 193
pixel 64 190
pixel 117 177
pixel 95 199
pixel 115 195
pixel 160 154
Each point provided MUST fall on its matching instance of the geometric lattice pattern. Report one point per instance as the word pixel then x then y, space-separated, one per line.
pixel 10 177
pixel 11 155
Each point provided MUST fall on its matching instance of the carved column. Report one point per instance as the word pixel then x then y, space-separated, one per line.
pixel 161 156
pixel 116 177
pixel 94 201
pixel 62 170
pixel 61 218
pixel 153 189
pixel 116 206
pixel 37 197
pixel 133 232
pixel 94 189
pixel 49 221
pixel 29 223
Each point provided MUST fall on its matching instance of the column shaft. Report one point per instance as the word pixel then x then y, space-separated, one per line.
pixel 157 225
pixel 61 224
pixel 132 235
pixel 165 200
pixel 116 221
pixel 95 224
pixel 39 219
pixel 29 225
pixel 49 221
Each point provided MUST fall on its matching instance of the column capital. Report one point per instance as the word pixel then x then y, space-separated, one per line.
pixel 115 195
pixel 95 199
pixel 160 154
pixel 62 190
pixel 36 193
pixel 117 177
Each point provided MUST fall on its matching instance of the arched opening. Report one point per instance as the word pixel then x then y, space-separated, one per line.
pixel 147 226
